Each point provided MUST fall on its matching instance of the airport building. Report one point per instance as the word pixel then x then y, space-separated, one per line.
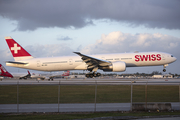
pixel 163 76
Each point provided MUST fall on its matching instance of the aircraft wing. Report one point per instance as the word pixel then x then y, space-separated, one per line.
pixel 93 63
pixel 26 76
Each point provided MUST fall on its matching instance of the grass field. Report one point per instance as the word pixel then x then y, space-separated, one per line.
pixel 41 94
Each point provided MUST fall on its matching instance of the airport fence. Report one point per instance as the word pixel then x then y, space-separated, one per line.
pixel 93 96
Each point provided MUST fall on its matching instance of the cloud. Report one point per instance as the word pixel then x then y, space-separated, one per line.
pixel 31 15
pixel 64 38
pixel 49 50
pixel 40 51
pixel 5 55
pixel 125 42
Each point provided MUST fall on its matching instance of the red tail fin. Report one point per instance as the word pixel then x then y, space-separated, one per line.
pixel 18 52
pixel 29 72
pixel 4 72
pixel 65 73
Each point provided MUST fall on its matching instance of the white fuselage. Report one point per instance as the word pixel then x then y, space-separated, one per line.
pixel 18 75
pixel 76 63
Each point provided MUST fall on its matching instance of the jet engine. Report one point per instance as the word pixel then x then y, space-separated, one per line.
pixel 115 67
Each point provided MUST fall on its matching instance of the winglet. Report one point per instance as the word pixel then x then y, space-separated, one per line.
pixel 78 53
pixel 4 72
pixel 18 52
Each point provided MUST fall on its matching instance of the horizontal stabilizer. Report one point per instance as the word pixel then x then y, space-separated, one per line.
pixel 18 63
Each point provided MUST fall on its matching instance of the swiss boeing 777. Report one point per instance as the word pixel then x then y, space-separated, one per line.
pixel 106 62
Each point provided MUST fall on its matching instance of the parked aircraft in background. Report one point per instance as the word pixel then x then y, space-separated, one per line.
pixel 5 73
pixel 49 76
pixel 106 62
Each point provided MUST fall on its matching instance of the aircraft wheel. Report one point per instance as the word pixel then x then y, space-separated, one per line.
pixel 91 75
pixel 87 75
pixel 98 74
pixel 164 70
pixel 94 74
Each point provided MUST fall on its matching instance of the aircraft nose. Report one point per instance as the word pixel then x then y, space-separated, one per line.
pixel 175 58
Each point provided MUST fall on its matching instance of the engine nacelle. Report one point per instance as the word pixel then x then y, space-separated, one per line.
pixel 115 67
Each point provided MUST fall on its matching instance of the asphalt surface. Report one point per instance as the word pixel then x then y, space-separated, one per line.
pixel 91 81
pixel 83 107
pixel 168 118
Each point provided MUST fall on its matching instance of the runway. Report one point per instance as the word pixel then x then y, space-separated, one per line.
pixel 91 81
pixel 85 107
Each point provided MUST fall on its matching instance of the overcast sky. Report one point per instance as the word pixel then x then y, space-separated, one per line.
pixel 59 27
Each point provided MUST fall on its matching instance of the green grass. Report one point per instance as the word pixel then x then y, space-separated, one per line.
pixel 65 116
pixel 163 93
pixel 113 93
pixel 139 93
pixel 77 94
pixel 156 93
pixel 41 94
pixel 8 94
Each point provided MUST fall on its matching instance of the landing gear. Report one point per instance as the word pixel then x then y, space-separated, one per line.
pixel 50 79
pixel 164 70
pixel 91 75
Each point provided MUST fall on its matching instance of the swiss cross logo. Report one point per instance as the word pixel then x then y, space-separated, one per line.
pixel 3 69
pixel 15 48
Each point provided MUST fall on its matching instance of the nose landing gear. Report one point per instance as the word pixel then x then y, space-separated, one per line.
pixel 164 70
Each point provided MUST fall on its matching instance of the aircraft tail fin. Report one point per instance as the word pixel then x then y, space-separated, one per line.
pixel 4 72
pixel 18 52
pixel 66 73
pixel 29 72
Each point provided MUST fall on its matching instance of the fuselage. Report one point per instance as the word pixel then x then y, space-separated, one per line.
pixel 76 63
pixel 19 75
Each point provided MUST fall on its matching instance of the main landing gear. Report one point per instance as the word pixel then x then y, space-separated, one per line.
pixel 91 75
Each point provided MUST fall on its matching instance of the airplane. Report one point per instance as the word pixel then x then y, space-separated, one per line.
pixel 5 73
pixel 48 76
pixel 116 62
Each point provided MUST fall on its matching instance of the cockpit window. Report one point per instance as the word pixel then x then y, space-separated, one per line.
pixel 172 56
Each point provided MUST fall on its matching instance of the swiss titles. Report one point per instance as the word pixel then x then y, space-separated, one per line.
pixel 153 57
